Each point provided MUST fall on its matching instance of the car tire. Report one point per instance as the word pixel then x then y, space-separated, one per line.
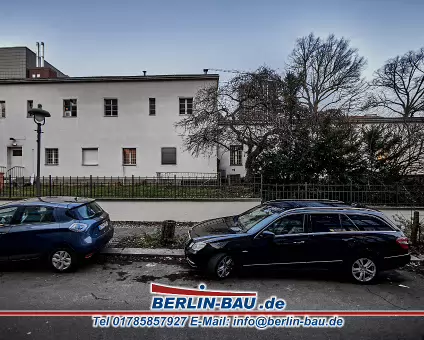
pixel 221 266
pixel 363 269
pixel 63 260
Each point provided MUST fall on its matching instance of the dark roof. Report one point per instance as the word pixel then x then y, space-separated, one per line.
pixel 292 204
pixel 180 77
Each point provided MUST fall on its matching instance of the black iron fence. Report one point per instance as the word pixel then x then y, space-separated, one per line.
pixel 174 187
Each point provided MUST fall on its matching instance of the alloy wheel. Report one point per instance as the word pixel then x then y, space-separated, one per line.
pixel 364 270
pixel 61 260
pixel 225 266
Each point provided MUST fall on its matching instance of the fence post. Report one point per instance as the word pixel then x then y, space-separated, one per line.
pixel 351 192
pixel 91 185
pixel 50 185
pixel 262 186
pixel 397 194
pixel 415 227
pixel 306 190
pixel 175 184
pixel 132 186
pixel 10 186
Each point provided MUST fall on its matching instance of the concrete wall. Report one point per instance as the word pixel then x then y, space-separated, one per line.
pixel 178 210
pixel 197 210
pixel 132 128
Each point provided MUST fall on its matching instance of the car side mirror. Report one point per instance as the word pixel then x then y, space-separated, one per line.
pixel 267 235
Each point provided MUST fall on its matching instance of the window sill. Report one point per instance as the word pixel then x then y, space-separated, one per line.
pixel 90 164
pixel 110 116
pixel 236 164
pixel 169 164
pixel 51 164
pixel 70 116
pixel 129 164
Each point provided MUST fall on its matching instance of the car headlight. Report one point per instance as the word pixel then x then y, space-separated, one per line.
pixel 198 246
pixel 78 227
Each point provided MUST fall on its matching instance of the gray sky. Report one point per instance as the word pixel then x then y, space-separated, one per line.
pixel 86 37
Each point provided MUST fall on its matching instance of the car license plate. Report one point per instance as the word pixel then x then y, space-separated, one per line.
pixel 103 225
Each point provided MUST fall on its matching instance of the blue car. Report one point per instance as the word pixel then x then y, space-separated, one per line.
pixel 62 230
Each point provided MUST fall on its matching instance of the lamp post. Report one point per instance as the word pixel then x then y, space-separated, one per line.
pixel 39 116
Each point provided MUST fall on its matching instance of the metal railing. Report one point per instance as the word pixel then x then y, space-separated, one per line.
pixel 196 187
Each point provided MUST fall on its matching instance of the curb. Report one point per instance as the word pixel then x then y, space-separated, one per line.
pixel 160 252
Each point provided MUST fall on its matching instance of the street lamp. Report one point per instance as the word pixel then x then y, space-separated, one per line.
pixel 39 116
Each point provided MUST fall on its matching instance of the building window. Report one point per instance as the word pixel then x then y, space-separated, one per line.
pixel 152 106
pixel 69 108
pixel 90 156
pixel 111 107
pixel 52 156
pixel 169 156
pixel 186 106
pixel 2 109
pixel 30 105
pixel 236 154
pixel 129 156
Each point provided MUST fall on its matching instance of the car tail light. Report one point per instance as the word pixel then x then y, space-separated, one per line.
pixel 403 242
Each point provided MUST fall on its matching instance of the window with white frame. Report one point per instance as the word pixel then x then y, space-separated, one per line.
pixel 129 156
pixel 152 106
pixel 70 108
pixel 186 106
pixel 90 156
pixel 111 107
pixel 2 109
pixel 236 155
pixel 52 156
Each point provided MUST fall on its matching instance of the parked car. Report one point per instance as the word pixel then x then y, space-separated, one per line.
pixel 283 233
pixel 63 230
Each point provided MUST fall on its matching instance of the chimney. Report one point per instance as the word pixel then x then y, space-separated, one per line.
pixel 205 71
pixel 144 73
pixel 42 54
pixel 37 55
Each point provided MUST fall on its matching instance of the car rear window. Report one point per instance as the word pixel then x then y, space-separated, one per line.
pixel 370 223
pixel 86 211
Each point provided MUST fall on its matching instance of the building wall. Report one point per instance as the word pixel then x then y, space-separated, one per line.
pixel 133 128
pixel 13 61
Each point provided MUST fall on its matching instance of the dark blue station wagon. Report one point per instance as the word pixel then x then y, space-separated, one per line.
pixel 62 230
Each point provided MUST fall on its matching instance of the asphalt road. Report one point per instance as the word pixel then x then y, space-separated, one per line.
pixel 124 285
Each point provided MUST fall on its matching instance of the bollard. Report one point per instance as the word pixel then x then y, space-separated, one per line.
pixel 168 231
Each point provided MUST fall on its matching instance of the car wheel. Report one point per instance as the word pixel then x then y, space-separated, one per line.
pixel 221 266
pixel 63 260
pixel 363 269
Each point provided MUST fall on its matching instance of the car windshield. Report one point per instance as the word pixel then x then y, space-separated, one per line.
pixel 253 216
pixel 87 211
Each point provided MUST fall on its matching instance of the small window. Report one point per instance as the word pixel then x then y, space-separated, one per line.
pixel 347 224
pixel 17 152
pixel 324 223
pixel 30 105
pixel 2 109
pixel 6 215
pixel 169 156
pixel 152 106
pixel 111 107
pixel 129 156
pixel 70 108
pixel 52 156
pixel 236 155
pixel 186 106
pixel 369 223
pixel 90 156
pixel 292 224
pixel 36 215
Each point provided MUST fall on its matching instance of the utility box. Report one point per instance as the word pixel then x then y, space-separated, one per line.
pixel 1 181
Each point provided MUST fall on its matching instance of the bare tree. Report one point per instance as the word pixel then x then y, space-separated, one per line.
pixel 330 73
pixel 399 85
pixel 248 110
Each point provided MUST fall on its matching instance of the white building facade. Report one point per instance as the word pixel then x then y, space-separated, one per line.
pixel 101 126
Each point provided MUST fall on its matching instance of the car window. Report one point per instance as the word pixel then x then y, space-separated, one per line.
pixel 292 224
pixel 253 216
pixel 369 223
pixel 36 215
pixel 324 223
pixel 347 224
pixel 87 211
pixel 6 215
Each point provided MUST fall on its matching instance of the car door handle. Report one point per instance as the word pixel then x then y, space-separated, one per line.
pixel 299 242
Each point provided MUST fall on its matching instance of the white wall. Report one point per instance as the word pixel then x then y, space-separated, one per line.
pixel 132 128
